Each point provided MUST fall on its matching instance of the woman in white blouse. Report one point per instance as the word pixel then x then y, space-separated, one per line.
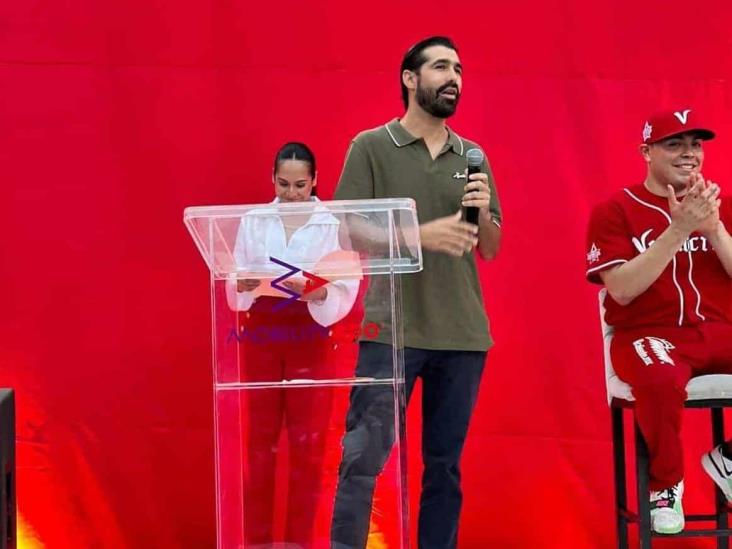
pixel 287 341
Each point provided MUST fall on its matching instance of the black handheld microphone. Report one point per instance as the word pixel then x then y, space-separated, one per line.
pixel 475 161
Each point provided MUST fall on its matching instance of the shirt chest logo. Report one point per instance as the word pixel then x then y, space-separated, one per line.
pixel 458 175
pixel 693 244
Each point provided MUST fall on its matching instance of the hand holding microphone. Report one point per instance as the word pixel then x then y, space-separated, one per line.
pixel 477 192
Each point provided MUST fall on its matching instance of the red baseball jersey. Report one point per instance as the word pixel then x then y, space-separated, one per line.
pixel 693 288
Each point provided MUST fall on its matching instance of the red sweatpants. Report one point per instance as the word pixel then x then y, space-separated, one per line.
pixel 657 363
pixel 280 343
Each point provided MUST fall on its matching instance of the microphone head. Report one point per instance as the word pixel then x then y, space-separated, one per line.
pixel 475 157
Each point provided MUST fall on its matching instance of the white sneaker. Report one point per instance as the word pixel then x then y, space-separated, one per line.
pixel 667 515
pixel 719 468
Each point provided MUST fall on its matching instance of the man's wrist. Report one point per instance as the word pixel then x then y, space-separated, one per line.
pixel 679 232
pixel 487 217
pixel 424 236
pixel 717 234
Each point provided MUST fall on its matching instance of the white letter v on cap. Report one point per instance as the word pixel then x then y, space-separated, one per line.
pixel 682 116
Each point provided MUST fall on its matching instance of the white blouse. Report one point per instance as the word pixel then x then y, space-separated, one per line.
pixel 263 236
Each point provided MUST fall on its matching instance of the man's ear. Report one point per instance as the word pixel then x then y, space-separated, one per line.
pixel 409 79
pixel 645 150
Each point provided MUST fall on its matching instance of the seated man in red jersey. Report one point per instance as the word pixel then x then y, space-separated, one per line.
pixel 663 252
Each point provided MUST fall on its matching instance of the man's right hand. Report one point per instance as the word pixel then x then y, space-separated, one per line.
pixel 449 235
pixel 699 203
pixel 247 284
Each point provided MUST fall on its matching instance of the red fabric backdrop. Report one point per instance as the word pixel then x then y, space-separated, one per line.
pixel 114 116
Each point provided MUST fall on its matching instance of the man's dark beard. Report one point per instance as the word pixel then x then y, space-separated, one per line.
pixel 431 101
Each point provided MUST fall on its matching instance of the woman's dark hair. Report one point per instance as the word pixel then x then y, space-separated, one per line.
pixel 297 151
pixel 414 59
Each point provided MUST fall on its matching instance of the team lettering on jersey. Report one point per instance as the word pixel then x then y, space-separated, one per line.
pixel 692 244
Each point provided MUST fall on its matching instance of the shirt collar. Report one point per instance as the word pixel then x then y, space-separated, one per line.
pixel 456 142
pixel 401 137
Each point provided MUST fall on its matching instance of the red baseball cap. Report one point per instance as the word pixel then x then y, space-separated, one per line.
pixel 664 124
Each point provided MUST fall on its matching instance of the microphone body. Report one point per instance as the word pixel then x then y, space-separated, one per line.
pixel 475 161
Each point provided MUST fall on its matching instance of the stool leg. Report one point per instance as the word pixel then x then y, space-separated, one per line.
pixel 644 506
pixel 621 496
pixel 719 498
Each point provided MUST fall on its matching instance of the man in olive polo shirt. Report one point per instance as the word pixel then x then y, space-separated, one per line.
pixel 446 333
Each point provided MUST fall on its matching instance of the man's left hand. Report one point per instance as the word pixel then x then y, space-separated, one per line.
pixel 710 196
pixel 477 193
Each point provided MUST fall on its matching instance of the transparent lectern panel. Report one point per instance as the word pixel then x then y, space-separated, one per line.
pixel 309 396
pixel 237 241
pixel 279 476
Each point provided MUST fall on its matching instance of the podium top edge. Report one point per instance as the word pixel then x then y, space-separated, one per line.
pixel 333 206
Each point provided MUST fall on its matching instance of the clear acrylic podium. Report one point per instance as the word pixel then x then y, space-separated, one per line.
pixel 286 321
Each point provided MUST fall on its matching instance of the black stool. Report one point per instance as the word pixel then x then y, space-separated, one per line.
pixel 700 389
pixel 710 391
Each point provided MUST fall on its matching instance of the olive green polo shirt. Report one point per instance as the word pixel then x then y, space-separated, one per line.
pixel 442 304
